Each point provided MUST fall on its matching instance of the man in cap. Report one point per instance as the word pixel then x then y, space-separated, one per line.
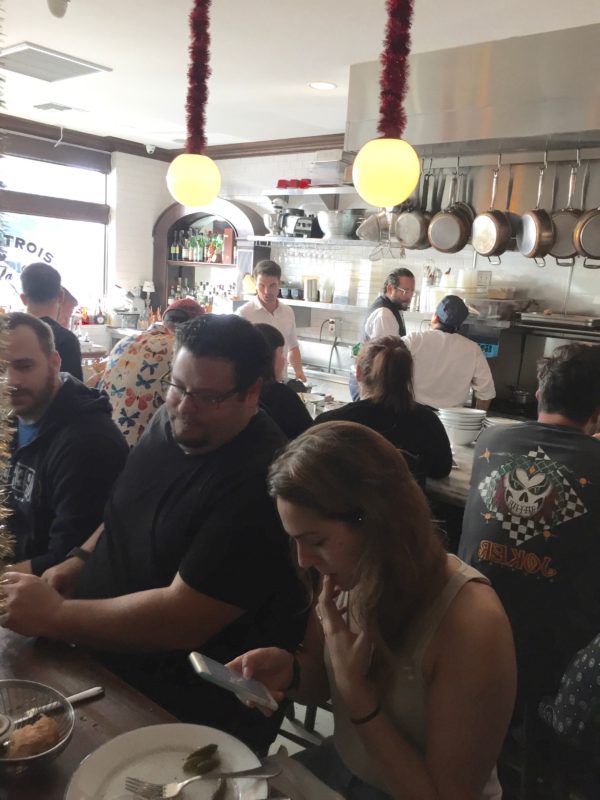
pixel 135 366
pixel 446 364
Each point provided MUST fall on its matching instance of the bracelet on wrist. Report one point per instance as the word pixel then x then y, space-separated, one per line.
pixel 78 552
pixel 295 682
pixel 367 717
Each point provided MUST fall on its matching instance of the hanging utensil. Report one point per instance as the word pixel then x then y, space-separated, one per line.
pixel 564 221
pixel 449 229
pixel 411 226
pixel 535 236
pixel 586 234
pixel 492 230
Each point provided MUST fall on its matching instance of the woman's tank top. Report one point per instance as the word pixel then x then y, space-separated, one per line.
pixel 404 698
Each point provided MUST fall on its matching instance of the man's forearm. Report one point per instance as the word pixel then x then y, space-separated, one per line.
pixel 482 404
pixel 295 361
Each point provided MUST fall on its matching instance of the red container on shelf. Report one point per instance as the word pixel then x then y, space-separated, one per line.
pixel 305 183
pixel 282 183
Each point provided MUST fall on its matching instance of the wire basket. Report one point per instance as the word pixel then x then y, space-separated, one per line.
pixel 22 701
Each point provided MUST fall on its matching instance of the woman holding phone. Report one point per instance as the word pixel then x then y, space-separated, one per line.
pixel 411 644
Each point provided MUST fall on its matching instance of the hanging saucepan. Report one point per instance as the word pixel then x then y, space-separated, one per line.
pixel 492 230
pixel 586 236
pixel 564 221
pixel 449 229
pixel 411 226
pixel 535 236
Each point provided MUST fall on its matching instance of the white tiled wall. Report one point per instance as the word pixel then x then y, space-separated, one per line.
pixel 137 195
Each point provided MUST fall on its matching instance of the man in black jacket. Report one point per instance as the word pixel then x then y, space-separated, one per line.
pixel 385 317
pixel 66 450
pixel 43 296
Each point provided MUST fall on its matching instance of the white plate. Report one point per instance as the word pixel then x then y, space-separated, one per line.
pixel 156 754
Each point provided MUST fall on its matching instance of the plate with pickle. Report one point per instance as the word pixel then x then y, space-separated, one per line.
pixel 164 753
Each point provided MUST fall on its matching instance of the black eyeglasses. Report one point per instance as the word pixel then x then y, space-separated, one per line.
pixel 200 397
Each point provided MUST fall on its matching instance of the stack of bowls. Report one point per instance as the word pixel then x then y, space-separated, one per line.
pixel 491 422
pixel 462 424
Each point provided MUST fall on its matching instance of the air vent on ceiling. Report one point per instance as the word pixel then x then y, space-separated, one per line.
pixel 57 107
pixel 46 65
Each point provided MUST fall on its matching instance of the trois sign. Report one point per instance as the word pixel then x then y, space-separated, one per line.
pixel 31 250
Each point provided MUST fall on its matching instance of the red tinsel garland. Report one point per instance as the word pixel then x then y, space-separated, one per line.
pixel 198 74
pixel 394 75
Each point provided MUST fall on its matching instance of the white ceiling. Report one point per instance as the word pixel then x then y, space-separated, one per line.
pixel 263 54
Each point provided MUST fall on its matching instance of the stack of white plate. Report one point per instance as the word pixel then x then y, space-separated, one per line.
pixel 491 422
pixel 462 424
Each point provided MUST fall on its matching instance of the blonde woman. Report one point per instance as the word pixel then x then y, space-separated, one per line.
pixel 418 660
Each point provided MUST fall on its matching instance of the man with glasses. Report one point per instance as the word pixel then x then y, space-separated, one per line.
pixel 191 555
pixel 385 317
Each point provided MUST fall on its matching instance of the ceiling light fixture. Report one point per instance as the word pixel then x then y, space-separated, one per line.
pixel 386 170
pixel 322 86
pixel 58 8
pixel 194 179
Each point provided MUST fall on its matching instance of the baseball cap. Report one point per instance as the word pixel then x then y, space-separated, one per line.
pixel 182 309
pixel 452 311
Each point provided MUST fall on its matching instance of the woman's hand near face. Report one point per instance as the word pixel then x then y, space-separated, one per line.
pixel 350 654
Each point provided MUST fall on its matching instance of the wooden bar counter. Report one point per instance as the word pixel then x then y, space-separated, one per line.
pixel 69 670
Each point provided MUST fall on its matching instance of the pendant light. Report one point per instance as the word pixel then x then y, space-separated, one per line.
pixel 193 178
pixel 386 170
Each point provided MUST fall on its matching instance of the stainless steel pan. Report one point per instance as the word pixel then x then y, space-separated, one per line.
pixel 449 229
pixel 586 235
pixel 535 236
pixel 411 226
pixel 564 222
pixel 492 230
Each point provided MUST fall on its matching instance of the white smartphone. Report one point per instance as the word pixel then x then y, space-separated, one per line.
pixel 226 678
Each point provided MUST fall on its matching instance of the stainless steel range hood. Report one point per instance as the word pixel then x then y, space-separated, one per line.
pixel 526 93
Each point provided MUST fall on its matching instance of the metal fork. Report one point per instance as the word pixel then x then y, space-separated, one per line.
pixel 164 791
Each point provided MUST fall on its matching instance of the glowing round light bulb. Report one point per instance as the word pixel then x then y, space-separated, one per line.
pixel 193 179
pixel 386 171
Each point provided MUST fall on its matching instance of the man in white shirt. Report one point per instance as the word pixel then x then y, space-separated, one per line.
pixel 447 364
pixel 267 308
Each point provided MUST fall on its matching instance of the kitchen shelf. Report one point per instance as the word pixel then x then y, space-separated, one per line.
pixel 311 190
pixel 328 194
pixel 324 306
pixel 306 241
pixel 198 264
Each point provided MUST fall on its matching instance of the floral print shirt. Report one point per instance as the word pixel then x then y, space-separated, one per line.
pixel 132 378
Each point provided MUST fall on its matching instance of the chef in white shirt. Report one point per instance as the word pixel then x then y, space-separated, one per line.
pixel 267 308
pixel 447 364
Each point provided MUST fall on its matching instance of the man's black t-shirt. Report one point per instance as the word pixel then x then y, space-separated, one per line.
pixel 531 525
pixel 210 519
pixel 67 346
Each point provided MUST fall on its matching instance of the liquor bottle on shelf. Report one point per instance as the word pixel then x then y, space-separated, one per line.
pixel 200 246
pixel 218 249
pixel 180 240
pixel 174 249
pixel 172 294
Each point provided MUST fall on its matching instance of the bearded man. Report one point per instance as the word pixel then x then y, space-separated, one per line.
pixel 66 451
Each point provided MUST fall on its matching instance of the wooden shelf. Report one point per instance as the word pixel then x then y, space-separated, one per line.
pixel 210 264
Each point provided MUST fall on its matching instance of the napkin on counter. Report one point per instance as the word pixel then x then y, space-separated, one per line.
pixel 295 781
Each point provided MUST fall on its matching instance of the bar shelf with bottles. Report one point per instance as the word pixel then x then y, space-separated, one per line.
pixel 199 247
pixel 215 298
